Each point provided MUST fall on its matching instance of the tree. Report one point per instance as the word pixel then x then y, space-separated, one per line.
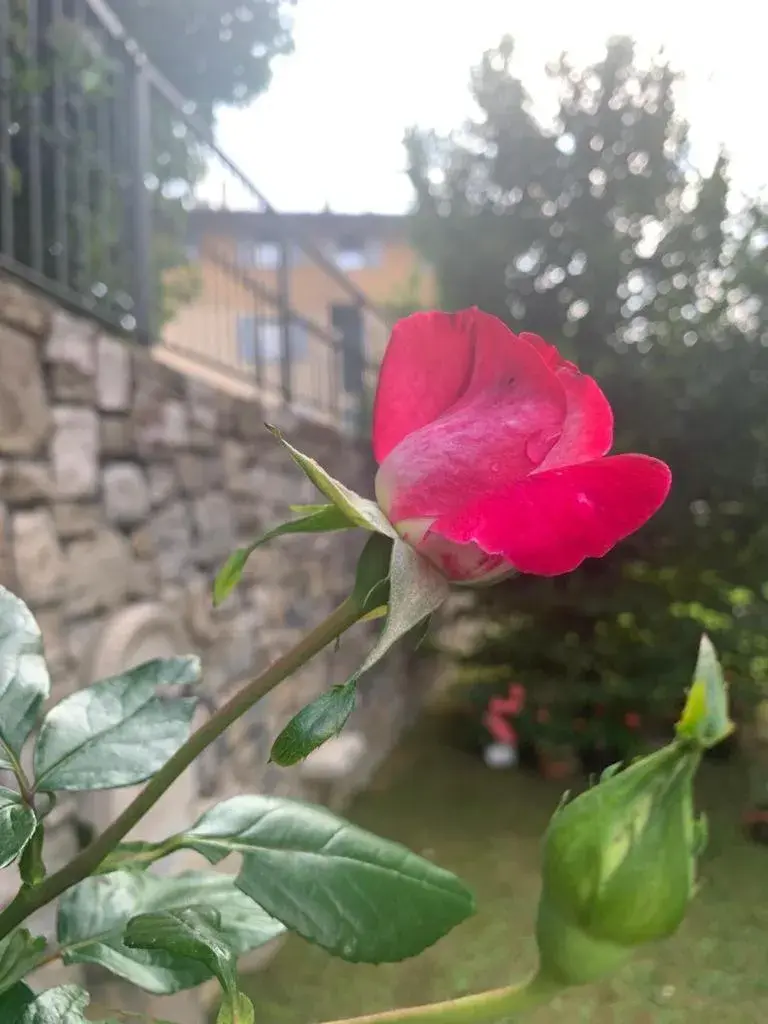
pixel 596 232
pixel 213 51
pixel 70 104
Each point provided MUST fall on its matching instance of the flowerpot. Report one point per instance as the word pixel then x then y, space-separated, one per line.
pixel 557 763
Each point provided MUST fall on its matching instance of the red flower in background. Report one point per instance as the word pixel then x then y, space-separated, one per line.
pixel 492 452
pixel 632 720
pixel 495 718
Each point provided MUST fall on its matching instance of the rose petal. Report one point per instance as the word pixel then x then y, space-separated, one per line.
pixel 460 563
pixel 548 523
pixel 426 367
pixel 548 353
pixel 435 359
pixel 500 430
pixel 588 428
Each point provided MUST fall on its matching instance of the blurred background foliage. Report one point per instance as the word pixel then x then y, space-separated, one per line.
pixel 593 229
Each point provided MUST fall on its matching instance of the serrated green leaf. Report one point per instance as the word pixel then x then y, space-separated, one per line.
pixel 17 825
pixel 20 952
pixel 93 916
pixel 416 590
pixel 191 933
pixel 62 1005
pixel 238 1012
pixel 362 898
pixel 314 725
pixel 24 679
pixel 361 511
pixel 14 1002
pixel 117 732
pixel 705 718
pixel 322 519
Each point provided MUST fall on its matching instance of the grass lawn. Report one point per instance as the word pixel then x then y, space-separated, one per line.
pixel 486 826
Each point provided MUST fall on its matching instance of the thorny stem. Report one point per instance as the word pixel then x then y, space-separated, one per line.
pixel 28 900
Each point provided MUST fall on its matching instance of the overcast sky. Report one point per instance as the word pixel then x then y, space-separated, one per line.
pixel 330 128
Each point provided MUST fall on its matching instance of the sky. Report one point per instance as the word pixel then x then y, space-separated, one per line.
pixel 329 130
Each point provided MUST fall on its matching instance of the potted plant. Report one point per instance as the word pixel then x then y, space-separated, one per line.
pixel 551 731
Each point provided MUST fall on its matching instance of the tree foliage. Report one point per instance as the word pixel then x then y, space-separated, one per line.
pixel 596 231
pixel 213 51
pixel 76 135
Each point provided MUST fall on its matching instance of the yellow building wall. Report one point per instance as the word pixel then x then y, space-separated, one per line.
pixel 206 328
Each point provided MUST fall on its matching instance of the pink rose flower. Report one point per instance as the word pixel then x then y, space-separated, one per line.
pixel 492 452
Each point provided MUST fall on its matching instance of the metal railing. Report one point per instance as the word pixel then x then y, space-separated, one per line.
pixel 105 170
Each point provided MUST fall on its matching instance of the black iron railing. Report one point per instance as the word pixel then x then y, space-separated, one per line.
pixel 104 168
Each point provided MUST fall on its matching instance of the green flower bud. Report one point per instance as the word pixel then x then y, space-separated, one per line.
pixel 619 866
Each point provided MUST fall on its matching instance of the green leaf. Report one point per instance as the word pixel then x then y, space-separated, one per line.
pixel 376 613
pixel 14 1002
pixel 419 633
pixel 362 898
pixel 17 825
pixel 371 589
pixel 31 864
pixel 705 718
pixel 62 1005
pixel 358 510
pixel 416 590
pixel 117 732
pixel 314 725
pixel 238 1012
pixel 306 510
pixel 24 680
pixel 19 954
pixel 322 519
pixel 190 933
pixel 93 916
pixel 135 856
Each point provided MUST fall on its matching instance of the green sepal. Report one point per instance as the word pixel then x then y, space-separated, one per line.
pixel 320 519
pixel 705 719
pixel 360 511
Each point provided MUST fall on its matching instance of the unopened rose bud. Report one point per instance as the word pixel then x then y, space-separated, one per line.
pixel 619 866
pixel 492 452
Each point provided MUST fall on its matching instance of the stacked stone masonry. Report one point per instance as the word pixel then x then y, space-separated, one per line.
pixel 123 486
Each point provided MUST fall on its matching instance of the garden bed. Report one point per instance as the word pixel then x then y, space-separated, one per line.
pixel 486 826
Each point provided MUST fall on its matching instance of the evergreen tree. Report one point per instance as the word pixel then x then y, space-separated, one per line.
pixel 596 232
pixel 213 51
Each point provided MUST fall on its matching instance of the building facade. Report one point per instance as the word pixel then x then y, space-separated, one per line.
pixel 275 293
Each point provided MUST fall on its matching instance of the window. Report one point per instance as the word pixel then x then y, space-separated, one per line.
pixel 352 253
pixel 266 333
pixel 264 255
pixel 348 321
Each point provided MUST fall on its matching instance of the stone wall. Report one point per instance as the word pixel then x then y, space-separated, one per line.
pixel 123 486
